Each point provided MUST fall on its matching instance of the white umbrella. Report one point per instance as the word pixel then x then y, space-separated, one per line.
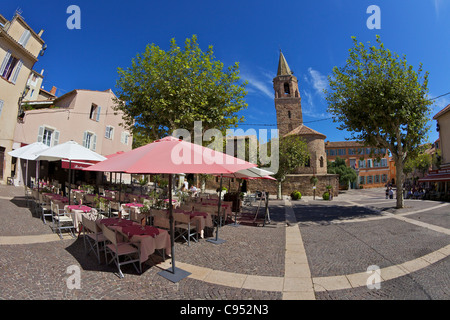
pixel 28 152
pixel 72 151
pixel 249 173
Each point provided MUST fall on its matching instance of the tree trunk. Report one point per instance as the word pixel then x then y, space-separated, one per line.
pixel 279 196
pixel 399 182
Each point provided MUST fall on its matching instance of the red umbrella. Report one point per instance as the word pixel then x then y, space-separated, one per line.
pixel 171 156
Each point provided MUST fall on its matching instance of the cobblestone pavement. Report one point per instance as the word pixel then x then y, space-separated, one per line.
pixel 341 237
pixel 351 233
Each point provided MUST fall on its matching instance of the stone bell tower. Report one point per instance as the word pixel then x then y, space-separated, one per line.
pixel 287 98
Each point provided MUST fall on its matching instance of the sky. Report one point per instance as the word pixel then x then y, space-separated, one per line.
pixel 314 36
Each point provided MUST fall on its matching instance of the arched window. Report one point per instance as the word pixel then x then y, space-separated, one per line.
pixel 321 162
pixel 286 88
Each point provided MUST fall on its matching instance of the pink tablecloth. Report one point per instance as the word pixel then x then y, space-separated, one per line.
pixel 147 239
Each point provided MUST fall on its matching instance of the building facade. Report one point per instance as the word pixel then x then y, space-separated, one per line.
pixel 84 116
pixel 371 164
pixel 20 47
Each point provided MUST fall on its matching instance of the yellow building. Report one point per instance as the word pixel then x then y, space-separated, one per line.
pixel 20 47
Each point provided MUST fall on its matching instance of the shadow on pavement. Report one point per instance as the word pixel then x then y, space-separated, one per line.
pixel 320 214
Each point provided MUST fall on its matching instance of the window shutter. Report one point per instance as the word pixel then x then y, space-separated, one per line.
pixel 24 38
pixel 94 142
pixel 56 138
pixel 1 106
pixel 107 132
pixel 84 138
pixel 122 137
pixel 5 62
pixel 40 134
pixel 16 72
pixel 98 112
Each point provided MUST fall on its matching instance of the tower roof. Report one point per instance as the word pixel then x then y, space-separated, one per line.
pixel 283 67
pixel 303 130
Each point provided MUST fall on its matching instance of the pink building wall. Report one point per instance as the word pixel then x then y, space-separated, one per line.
pixel 71 119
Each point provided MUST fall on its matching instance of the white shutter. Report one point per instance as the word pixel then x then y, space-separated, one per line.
pixel 56 138
pixel 24 38
pixel 84 139
pixel 98 112
pixel 122 137
pixel 94 142
pixel 1 106
pixel 5 62
pixel 16 72
pixel 40 134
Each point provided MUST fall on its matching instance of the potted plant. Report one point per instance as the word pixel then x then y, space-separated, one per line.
pixel 296 195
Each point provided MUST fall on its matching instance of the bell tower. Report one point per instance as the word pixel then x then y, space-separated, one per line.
pixel 287 98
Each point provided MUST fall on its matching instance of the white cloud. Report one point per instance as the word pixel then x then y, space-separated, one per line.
pixel 259 86
pixel 318 81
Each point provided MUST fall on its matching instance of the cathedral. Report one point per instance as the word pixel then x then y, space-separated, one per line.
pixel 288 108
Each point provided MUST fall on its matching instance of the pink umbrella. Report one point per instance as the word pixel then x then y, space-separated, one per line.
pixel 171 156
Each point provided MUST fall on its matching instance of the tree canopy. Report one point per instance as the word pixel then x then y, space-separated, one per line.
pixel 381 100
pixel 167 90
pixel 346 174
pixel 293 152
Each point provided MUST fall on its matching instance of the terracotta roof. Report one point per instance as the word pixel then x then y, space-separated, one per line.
pixel 441 113
pixel 343 144
pixel 303 130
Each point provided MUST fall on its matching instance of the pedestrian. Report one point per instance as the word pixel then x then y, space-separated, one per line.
pixel 391 193
pixel 387 192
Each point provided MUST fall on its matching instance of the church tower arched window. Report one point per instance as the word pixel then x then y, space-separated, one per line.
pixel 286 88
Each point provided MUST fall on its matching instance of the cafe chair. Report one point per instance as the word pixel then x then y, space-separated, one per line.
pixel 93 236
pixel 116 249
pixel 184 228
pixel 44 207
pixel 61 220
pixel 160 219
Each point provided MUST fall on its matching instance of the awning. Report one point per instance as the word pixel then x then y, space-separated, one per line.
pixel 436 177
pixel 78 165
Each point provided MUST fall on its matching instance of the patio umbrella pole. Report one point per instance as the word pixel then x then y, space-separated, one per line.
pixel 217 240
pixel 70 178
pixel 174 274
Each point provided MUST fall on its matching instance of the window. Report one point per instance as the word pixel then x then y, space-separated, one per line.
pixel 351 151
pixel 24 38
pixel 341 152
pixel 109 134
pixel 321 162
pixel 10 68
pixel 361 180
pixel 384 178
pixel 1 106
pixel 369 163
pixel 377 179
pixel 361 163
pixel 332 152
pixel 125 137
pixel 289 114
pixel 48 136
pixel 90 140
pixel 95 112
pixel 384 162
pixel 286 88
pixel 369 179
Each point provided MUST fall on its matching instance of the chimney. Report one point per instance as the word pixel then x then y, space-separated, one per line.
pixel 41 32
pixel 53 91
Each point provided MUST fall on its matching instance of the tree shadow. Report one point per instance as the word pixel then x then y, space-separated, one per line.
pixel 326 214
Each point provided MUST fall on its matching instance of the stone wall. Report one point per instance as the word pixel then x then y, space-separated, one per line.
pixel 300 182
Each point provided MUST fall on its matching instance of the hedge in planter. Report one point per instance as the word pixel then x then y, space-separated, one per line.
pixel 296 195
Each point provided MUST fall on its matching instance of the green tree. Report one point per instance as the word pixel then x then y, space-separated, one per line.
pixel 167 90
pixel 293 152
pixel 382 101
pixel 346 174
pixel 421 163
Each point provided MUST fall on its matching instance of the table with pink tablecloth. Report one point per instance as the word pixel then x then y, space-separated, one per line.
pixel 149 239
pixel 79 211
pixel 227 208
pixel 201 219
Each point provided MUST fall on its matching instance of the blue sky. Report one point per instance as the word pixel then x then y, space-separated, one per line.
pixel 314 36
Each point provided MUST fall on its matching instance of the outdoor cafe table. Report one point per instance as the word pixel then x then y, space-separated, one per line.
pixel 79 211
pixel 201 219
pixel 227 207
pixel 149 239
